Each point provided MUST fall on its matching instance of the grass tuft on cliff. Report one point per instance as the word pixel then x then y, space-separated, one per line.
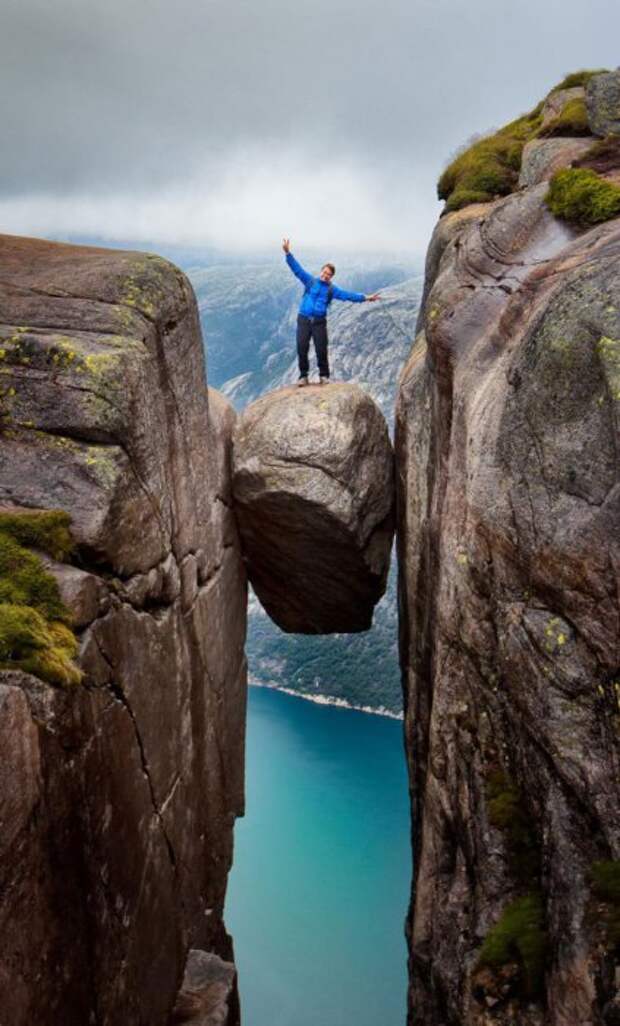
pixel 490 167
pixel 519 936
pixel 603 155
pixel 572 120
pixel 578 78
pixel 605 880
pixel 47 530
pixel 508 812
pixel 34 632
pixel 582 197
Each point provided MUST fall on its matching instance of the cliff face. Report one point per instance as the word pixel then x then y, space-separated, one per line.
pixel 118 794
pixel 509 517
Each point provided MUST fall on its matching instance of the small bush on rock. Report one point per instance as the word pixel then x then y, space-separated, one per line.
pixel 577 78
pixel 582 197
pixel 34 632
pixel 508 812
pixel 572 120
pixel 490 167
pixel 47 530
pixel 519 936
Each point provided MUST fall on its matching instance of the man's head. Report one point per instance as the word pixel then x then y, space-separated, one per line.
pixel 327 272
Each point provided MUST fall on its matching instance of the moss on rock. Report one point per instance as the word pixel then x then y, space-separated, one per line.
pixel 47 530
pixel 519 936
pixel 572 120
pixel 582 197
pixel 34 632
pixel 490 167
pixel 577 78
pixel 508 812
pixel 29 642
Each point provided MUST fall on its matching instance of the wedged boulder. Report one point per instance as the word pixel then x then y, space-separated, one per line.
pixel 313 492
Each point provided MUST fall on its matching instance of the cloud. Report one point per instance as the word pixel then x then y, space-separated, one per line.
pixel 245 203
pixel 236 118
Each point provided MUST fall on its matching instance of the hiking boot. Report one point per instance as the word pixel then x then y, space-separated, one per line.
pixel 302 382
pixel 323 381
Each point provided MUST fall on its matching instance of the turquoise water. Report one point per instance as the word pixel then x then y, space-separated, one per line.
pixel 319 887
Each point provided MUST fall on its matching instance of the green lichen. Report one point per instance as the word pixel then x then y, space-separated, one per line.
pixel 34 632
pixel 519 936
pixel 608 350
pixel 605 882
pixel 571 121
pixel 582 197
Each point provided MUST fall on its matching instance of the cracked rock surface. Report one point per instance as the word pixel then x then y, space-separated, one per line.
pixel 118 797
pixel 313 491
pixel 507 448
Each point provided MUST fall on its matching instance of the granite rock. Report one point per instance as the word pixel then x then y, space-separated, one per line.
pixel 313 492
pixel 603 103
pixel 137 774
pixel 508 528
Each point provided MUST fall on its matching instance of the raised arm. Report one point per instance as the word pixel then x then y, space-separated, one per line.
pixel 354 297
pixel 295 267
pixel 351 297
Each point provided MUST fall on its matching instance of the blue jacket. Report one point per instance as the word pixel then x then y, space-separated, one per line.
pixel 318 294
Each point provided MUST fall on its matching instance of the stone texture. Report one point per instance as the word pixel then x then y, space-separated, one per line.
pixel 556 102
pixel 603 103
pixel 313 492
pixel 121 868
pixel 208 995
pixel 509 519
pixel 543 157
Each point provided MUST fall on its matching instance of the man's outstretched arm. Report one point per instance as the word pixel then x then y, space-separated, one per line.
pixel 295 267
pixel 354 297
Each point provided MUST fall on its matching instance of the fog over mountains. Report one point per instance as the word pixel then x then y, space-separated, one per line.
pixel 248 313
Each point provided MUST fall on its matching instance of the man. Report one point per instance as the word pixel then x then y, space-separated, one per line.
pixel 312 317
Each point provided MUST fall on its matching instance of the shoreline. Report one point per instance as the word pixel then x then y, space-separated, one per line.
pixel 340 703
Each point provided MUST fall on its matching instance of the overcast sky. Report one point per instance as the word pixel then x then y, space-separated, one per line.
pixel 232 123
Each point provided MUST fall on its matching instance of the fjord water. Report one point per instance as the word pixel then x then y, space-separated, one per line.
pixel 320 882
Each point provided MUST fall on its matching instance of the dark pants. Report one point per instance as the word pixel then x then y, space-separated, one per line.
pixel 315 328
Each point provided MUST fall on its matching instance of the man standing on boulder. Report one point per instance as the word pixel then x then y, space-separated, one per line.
pixel 312 317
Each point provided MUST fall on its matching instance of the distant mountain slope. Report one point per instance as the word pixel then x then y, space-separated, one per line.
pixel 249 314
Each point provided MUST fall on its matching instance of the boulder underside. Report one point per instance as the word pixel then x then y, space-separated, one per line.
pixel 313 493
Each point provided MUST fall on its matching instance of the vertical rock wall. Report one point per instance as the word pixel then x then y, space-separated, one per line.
pixel 118 796
pixel 508 526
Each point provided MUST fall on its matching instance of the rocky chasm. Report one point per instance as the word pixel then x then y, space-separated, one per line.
pixel 124 765
pixel 123 601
